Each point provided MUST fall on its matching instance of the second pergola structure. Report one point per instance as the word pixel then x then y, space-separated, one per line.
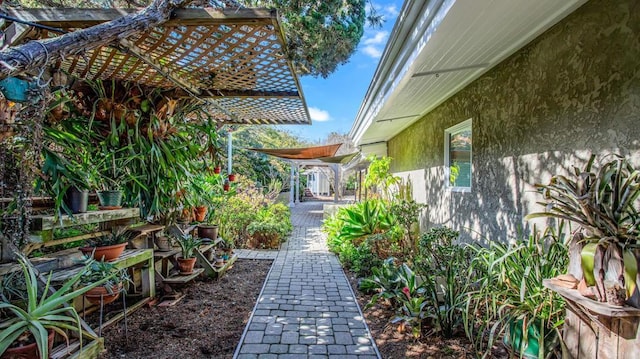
pixel 317 156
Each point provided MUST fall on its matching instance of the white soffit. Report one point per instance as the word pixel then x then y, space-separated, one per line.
pixel 453 42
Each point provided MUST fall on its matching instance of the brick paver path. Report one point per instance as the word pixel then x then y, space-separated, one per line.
pixel 306 308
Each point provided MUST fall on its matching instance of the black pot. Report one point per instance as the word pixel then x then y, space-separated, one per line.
pixel 208 231
pixel 77 200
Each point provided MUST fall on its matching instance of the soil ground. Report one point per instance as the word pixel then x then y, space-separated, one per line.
pixel 394 344
pixel 207 323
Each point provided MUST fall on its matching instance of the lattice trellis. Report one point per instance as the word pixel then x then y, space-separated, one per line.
pixel 237 63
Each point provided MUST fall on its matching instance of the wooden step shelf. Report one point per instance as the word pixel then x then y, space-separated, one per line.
pixel 90 349
pixel 142 258
pixel 183 279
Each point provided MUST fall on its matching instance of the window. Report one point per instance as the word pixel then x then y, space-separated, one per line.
pixel 457 156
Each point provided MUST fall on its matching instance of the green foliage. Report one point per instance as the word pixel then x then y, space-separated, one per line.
pixel 251 204
pixel 444 267
pixel 188 245
pixel 98 270
pixel 320 35
pixel 365 218
pixel 43 311
pixel 271 225
pixel 257 166
pixel 407 212
pixel 509 289
pixel 116 236
pixel 603 202
pixel 361 235
pixel 398 285
pixel 379 176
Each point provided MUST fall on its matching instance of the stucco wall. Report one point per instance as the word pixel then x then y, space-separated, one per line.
pixel 573 91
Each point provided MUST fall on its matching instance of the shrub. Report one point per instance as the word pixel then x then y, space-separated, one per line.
pixel 510 292
pixel 271 226
pixel 443 266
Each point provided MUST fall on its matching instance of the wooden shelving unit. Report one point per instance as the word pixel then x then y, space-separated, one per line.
pixel 598 330
pixel 62 265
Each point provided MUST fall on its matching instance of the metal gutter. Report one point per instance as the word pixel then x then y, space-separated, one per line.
pixel 408 37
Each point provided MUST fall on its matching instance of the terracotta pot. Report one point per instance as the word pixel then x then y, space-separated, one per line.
pixel 106 253
pixel 200 212
pixel 94 295
pixel 186 265
pixel 186 215
pixel 232 177
pixel 163 243
pixel 208 231
pixel 217 170
pixel 28 351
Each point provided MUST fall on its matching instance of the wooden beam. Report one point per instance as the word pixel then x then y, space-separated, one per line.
pixel 81 18
pixel 221 93
pixel 14 33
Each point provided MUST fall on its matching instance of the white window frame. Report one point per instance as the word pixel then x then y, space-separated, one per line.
pixel 468 124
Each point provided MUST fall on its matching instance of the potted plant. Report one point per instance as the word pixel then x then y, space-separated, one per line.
pixel 110 246
pixel 115 174
pixel 188 244
pixel 32 328
pixel 108 291
pixel 603 204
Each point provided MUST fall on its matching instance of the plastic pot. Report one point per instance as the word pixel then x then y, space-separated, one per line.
pixel 110 199
pixel 77 200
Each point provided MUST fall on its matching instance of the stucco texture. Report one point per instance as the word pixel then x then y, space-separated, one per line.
pixel 573 91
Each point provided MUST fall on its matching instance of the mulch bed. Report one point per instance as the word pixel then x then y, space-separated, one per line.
pixel 394 344
pixel 207 323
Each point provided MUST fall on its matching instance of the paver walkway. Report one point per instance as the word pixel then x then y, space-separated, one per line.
pixel 306 308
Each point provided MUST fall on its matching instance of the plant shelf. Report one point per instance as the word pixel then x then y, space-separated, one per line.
pixel 593 306
pixel 183 279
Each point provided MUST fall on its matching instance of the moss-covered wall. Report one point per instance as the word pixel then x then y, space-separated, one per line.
pixel 572 91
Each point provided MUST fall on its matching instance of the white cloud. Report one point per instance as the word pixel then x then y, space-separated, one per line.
pixel 374 43
pixel 318 114
pixel 372 51
pixel 379 37
pixel 391 10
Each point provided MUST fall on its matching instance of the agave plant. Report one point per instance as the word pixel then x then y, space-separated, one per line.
pixel 603 204
pixel 43 312
pixel 368 217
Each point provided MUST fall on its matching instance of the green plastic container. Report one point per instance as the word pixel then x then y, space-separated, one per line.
pixel 110 199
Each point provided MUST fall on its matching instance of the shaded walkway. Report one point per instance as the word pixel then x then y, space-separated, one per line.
pixel 306 308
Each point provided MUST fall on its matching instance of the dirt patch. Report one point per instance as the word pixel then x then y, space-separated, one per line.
pixel 394 344
pixel 207 323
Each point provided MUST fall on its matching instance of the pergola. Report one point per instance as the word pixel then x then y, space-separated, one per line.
pixel 317 156
pixel 233 59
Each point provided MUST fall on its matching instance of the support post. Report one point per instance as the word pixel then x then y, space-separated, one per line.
pixel 297 201
pixel 291 184
pixel 229 152
pixel 336 181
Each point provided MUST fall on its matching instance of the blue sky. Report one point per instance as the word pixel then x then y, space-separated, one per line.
pixel 334 102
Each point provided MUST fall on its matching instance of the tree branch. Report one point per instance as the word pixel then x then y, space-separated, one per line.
pixel 39 53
